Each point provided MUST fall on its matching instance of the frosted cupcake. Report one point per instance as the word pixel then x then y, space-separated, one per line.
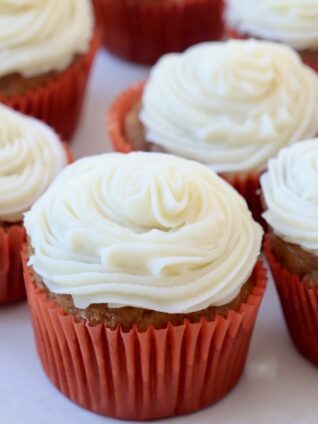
pixel 293 22
pixel 290 189
pixel 31 155
pixel 144 30
pixel 46 52
pixel 145 266
pixel 229 105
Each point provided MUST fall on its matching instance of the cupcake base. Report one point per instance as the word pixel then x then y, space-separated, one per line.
pixel 300 306
pixel 144 30
pixel 59 101
pixel 247 184
pixel 143 375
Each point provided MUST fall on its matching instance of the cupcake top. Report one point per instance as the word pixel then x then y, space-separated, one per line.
pixel 144 230
pixel 231 105
pixel 290 189
pixel 294 22
pixel 31 155
pixel 38 36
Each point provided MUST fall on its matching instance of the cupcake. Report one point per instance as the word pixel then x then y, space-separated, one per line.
pixel 144 30
pixel 46 52
pixel 143 284
pixel 291 22
pixel 31 155
pixel 230 105
pixel 290 190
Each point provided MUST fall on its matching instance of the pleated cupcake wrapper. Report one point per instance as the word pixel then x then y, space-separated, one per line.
pixel 59 102
pixel 142 375
pixel 300 306
pixel 115 120
pixel 247 184
pixel 11 275
pixel 143 30
pixel 12 288
pixel 232 33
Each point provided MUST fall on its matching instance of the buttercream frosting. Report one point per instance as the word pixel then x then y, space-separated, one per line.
pixel 144 230
pixel 290 188
pixel 38 36
pixel 31 155
pixel 231 105
pixel 294 22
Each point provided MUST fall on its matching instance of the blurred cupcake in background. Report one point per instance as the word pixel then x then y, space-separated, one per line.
pixel 144 30
pixel 290 191
pixel 146 267
pixel 293 22
pixel 46 51
pixel 31 155
pixel 230 105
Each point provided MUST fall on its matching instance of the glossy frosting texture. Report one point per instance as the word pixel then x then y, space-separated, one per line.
pixel 38 36
pixel 290 189
pixel 294 22
pixel 143 230
pixel 231 105
pixel 31 155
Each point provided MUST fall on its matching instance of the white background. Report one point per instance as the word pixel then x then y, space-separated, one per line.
pixel 278 385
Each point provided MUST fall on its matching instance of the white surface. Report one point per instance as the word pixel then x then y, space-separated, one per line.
pixel 278 385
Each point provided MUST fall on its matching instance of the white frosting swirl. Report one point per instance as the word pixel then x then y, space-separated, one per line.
pixel 38 36
pixel 31 155
pixel 145 230
pixel 290 190
pixel 230 105
pixel 294 22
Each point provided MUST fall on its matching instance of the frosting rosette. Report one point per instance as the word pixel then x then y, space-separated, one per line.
pixel 31 155
pixel 144 230
pixel 293 22
pixel 38 36
pixel 290 189
pixel 231 105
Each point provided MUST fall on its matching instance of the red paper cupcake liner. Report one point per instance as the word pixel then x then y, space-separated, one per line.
pixel 232 33
pixel 59 102
pixel 115 120
pixel 248 184
pixel 12 287
pixel 11 274
pixel 143 375
pixel 143 30
pixel 300 306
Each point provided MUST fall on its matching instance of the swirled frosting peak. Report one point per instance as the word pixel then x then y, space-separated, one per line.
pixel 31 155
pixel 290 189
pixel 294 22
pixel 231 105
pixel 38 36
pixel 145 230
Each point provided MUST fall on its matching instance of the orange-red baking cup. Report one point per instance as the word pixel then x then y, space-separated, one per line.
pixel 11 276
pixel 143 375
pixel 300 306
pixel 247 184
pixel 59 102
pixel 144 30
pixel 12 237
